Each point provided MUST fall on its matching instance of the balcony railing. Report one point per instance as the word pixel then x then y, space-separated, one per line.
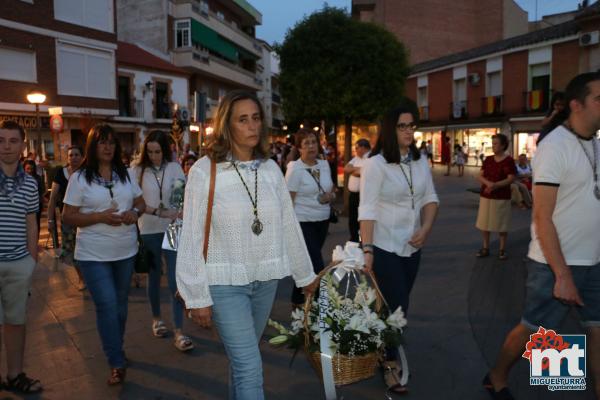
pixel 458 110
pixel 535 101
pixel 491 106
pixel 424 113
pixel 134 109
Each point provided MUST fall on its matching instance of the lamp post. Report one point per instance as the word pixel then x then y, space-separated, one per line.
pixel 37 98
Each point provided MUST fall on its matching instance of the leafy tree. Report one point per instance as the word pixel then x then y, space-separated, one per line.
pixel 336 68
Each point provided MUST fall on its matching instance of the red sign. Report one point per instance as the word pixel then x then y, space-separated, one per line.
pixel 56 124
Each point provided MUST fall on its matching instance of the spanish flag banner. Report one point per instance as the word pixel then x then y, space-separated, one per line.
pixel 535 99
pixel 490 105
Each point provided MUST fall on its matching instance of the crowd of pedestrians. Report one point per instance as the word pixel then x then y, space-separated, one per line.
pixel 257 212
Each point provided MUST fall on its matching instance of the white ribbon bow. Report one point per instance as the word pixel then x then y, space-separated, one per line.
pixel 350 258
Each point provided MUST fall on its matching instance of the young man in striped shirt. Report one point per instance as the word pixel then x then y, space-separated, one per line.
pixel 18 252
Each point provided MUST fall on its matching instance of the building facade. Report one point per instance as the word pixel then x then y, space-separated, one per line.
pixel 213 40
pixel 269 95
pixel 65 50
pixel 150 91
pixel 434 28
pixel 503 87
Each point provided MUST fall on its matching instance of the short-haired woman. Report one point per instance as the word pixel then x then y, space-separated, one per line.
pixel 398 205
pixel 497 173
pixel 187 162
pixel 157 174
pixel 57 194
pixel 310 185
pixel 255 239
pixel 104 203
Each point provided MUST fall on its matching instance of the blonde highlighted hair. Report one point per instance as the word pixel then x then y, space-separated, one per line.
pixel 221 143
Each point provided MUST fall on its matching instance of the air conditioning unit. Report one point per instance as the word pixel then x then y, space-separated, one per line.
pixel 589 38
pixel 474 79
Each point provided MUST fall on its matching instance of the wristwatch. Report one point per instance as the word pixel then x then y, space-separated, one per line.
pixel 137 211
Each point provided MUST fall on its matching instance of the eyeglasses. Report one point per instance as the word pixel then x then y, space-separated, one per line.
pixel 406 127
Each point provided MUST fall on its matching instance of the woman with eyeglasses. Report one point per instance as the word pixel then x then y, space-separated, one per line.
pixel 310 185
pixel 104 203
pixel 398 205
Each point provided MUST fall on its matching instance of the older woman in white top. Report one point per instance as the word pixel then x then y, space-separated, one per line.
pixel 255 240
pixel 310 185
pixel 398 205
pixel 157 174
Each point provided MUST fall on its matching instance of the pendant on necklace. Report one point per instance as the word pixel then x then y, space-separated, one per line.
pixel 161 206
pixel 597 192
pixel 257 226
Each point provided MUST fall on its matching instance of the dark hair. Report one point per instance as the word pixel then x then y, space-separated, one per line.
pixel 163 141
pixel 12 125
pixel 387 142
pixel 29 162
pixel 302 134
pixel 89 165
pixel 363 143
pixel 186 158
pixel 503 140
pixel 75 147
pixel 220 145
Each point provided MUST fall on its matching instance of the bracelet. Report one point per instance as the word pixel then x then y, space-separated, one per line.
pixel 367 246
pixel 368 252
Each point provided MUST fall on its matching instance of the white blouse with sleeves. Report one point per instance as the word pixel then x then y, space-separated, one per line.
pixel 299 180
pixel 236 256
pixel 172 171
pixel 385 198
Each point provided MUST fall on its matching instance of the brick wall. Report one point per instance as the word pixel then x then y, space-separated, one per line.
pixel 432 28
pixel 410 89
pixel 440 95
pixel 514 81
pixel 475 93
pixel 565 63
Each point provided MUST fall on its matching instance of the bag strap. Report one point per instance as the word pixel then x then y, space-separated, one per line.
pixel 211 198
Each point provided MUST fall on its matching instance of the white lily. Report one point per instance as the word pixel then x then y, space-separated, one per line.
pixel 396 319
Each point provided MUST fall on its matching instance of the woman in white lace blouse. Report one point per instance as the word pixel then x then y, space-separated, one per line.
pixel 254 240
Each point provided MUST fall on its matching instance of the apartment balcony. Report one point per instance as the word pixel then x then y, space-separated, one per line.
pixel 458 110
pixel 535 101
pixel 276 98
pixel 192 9
pixel 491 106
pixel 424 113
pixel 197 61
pixel 131 110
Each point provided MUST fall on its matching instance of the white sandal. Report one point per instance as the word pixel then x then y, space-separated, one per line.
pixel 159 329
pixel 183 343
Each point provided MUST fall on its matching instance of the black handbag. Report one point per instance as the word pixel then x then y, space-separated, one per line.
pixel 144 261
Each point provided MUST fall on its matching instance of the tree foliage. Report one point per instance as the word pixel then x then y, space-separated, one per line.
pixel 334 67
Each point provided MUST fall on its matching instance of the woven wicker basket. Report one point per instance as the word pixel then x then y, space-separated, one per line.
pixel 346 369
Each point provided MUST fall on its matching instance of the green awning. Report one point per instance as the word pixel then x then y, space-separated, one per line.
pixel 247 55
pixel 203 35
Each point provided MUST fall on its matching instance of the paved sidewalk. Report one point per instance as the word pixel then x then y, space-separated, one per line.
pixel 461 308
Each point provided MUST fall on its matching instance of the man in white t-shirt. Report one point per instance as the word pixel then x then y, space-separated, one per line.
pixel 564 253
pixel 361 148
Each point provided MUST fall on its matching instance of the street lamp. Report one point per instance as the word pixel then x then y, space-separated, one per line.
pixel 37 98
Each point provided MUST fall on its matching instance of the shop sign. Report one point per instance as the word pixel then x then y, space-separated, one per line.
pixel 56 123
pixel 26 121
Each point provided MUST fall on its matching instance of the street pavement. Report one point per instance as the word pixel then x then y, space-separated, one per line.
pixel 461 309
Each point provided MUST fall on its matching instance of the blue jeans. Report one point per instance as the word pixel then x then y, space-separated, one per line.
pixel 240 314
pixel 154 244
pixel 108 283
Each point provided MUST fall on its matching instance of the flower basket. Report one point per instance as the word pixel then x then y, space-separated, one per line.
pixel 346 369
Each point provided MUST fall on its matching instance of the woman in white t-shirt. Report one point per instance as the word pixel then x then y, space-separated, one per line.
pixel 398 205
pixel 104 203
pixel 310 185
pixel 157 174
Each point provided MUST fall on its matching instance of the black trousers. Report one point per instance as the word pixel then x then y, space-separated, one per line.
pixel 395 276
pixel 314 234
pixel 353 224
